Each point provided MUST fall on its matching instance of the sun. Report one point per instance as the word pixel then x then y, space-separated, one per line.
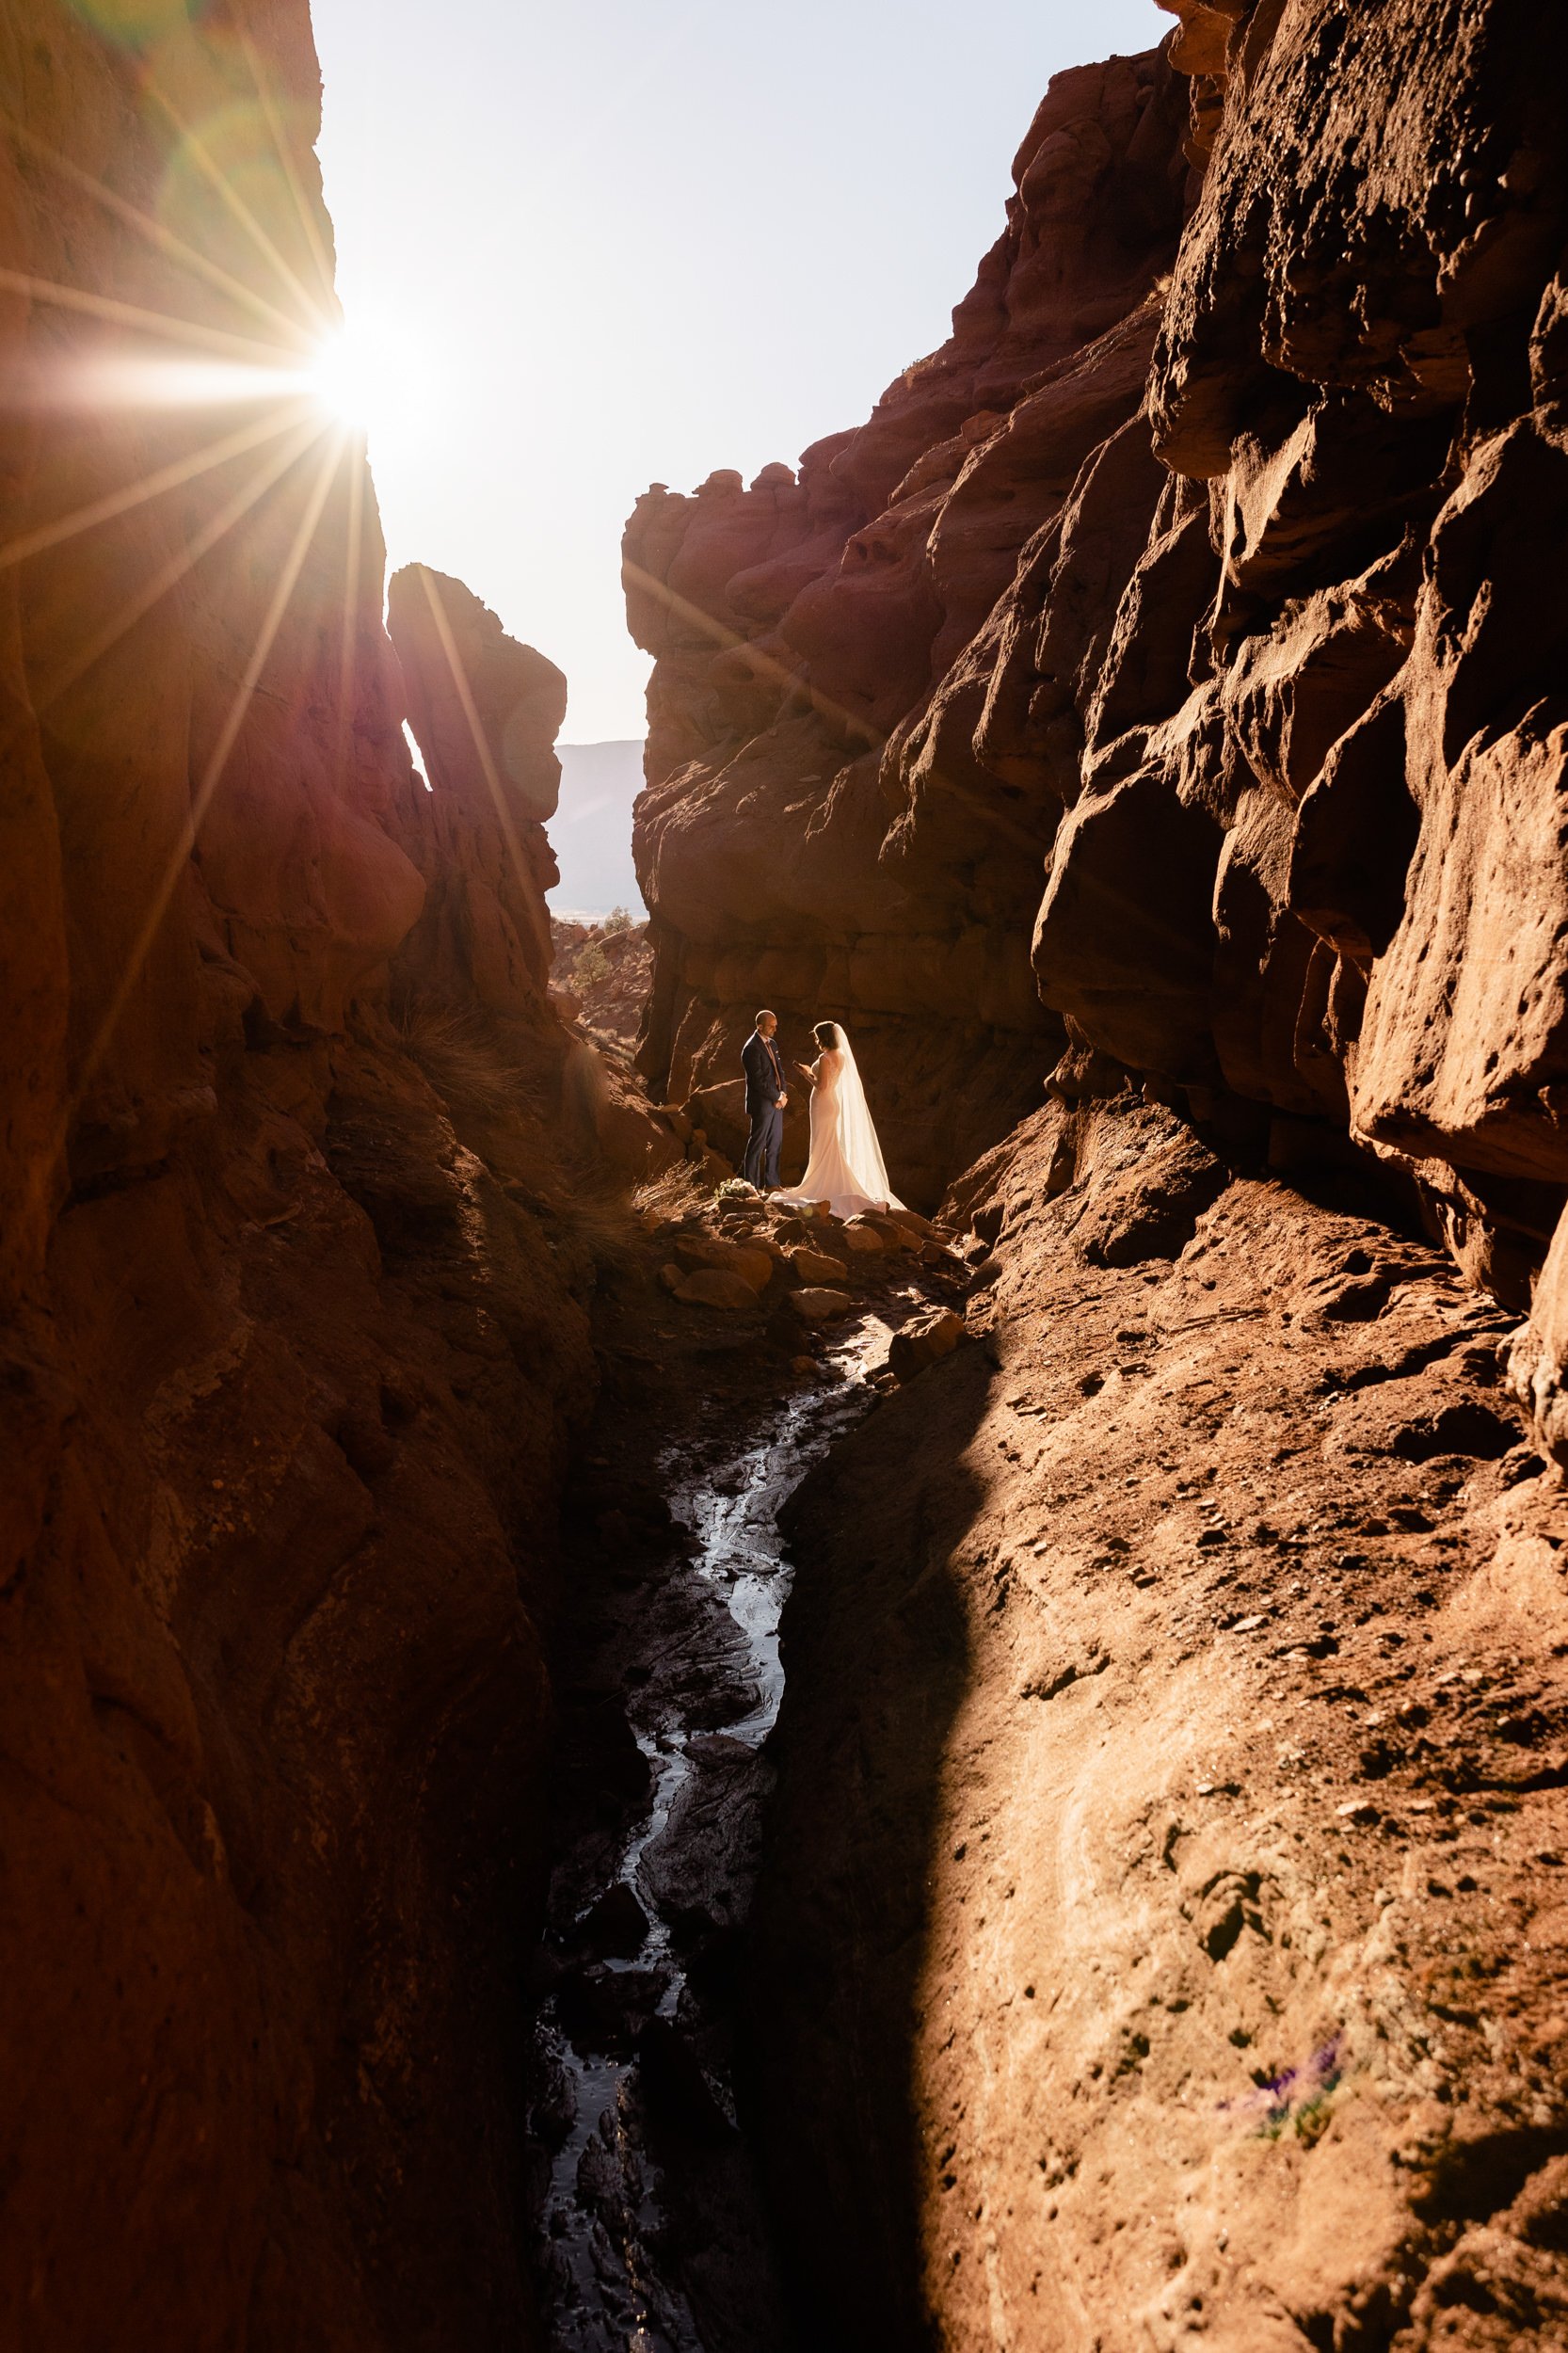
pixel 346 376
pixel 372 377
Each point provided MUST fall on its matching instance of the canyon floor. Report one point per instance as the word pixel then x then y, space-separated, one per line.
pixel 1165 1903
pixel 1052 1754
pixel 1144 1925
pixel 649 2226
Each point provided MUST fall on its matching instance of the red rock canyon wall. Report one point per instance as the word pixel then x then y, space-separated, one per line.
pixel 819 833
pixel 294 1338
pixel 1208 627
pixel 1162 697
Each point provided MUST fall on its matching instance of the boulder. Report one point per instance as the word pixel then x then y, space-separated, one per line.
pixel 922 1341
pixel 888 1229
pixel 815 1266
pixel 615 1928
pixel 716 1286
pixel 753 1264
pixel 864 1240
pixel 820 1303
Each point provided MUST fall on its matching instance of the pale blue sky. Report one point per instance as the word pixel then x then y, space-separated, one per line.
pixel 608 242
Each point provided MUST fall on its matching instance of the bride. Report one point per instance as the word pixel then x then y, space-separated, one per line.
pixel 846 1168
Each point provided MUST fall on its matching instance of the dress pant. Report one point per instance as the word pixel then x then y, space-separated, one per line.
pixel 763 1144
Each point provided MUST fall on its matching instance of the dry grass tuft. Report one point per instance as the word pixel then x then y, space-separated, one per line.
pixel 465 1062
pixel 558 1178
pixel 603 1220
pixel 675 1193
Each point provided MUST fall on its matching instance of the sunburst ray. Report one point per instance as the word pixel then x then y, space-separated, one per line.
pixel 233 203
pixel 162 239
pixel 218 760
pixel 165 324
pixel 730 641
pixel 169 575
pixel 149 487
pixel 283 149
pixel 348 654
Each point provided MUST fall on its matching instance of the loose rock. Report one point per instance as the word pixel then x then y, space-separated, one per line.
pixel 922 1340
pixel 819 1304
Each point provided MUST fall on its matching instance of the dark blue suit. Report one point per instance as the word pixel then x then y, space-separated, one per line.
pixel 765 1067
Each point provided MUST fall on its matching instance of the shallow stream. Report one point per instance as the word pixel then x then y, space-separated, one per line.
pixel 648 2228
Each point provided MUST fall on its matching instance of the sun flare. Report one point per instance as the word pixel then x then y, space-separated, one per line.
pixel 371 379
pixel 344 376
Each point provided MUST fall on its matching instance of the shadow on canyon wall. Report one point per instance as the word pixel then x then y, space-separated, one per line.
pixel 879 1657
pixel 291 1369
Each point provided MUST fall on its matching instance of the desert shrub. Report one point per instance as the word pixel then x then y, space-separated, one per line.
pixel 591 965
pixel 618 919
pixel 462 1058
pixel 603 1220
pixel 680 1190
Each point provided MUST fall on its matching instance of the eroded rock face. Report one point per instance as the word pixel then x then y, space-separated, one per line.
pixel 486 711
pixel 1231 610
pixel 818 835
pixel 1351 389
pixel 290 1364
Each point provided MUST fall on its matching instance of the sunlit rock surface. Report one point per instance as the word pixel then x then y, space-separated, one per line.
pixel 1159 1942
pixel 293 1340
pixel 1234 678
pixel 819 834
pixel 1161 1939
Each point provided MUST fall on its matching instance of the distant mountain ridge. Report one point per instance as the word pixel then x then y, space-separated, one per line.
pixel 591 831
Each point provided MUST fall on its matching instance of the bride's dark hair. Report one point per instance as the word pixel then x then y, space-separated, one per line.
pixel 826 1036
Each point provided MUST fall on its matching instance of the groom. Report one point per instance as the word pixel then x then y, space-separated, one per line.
pixel 765 1099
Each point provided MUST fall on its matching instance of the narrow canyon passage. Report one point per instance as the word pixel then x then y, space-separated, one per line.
pixel 650 2229
pixel 591 1761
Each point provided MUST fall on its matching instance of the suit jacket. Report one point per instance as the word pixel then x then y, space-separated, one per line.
pixel 765 1067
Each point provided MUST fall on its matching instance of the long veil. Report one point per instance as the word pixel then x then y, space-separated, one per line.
pixel 861 1146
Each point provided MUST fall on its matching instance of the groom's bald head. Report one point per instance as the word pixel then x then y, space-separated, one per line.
pixel 766 1024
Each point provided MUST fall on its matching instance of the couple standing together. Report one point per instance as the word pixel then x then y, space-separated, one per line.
pixel 846 1168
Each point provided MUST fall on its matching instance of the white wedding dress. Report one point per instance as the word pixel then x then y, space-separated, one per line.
pixel 846 1168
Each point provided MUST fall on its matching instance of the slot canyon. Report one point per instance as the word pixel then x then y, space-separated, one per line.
pixel 592 1760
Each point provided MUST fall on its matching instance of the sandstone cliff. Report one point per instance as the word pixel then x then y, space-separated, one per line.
pixel 1230 675
pixel 1171 1755
pixel 818 834
pixel 294 1339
